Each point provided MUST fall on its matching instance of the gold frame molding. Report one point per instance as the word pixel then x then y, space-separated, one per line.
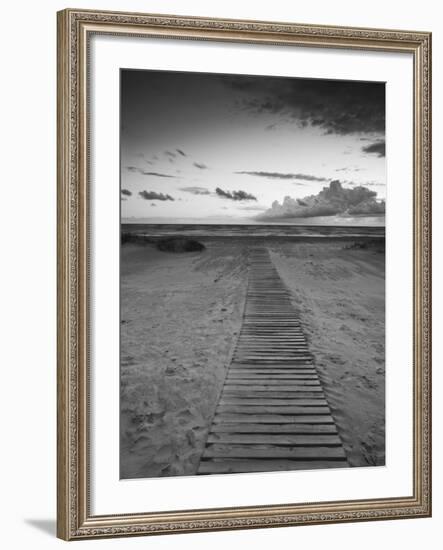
pixel 74 519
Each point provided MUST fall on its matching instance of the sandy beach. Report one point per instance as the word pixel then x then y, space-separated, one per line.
pixel 181 314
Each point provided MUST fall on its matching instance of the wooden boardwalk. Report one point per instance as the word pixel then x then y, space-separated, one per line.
pixel 272 413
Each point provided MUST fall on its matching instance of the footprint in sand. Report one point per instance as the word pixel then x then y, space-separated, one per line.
pixel 369 383
pixel 190 436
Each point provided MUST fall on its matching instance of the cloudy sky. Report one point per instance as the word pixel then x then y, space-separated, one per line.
pixel 213 147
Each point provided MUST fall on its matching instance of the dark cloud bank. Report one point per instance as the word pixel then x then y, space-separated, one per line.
pixel 332 200
pixel 154 196
pixel 126 192
pixel 146 173
pixel 232 195
pixel 195 190
pixel 282 175
pixel 200 165
pixel 235 195
pixel 378 148
pixel 334 106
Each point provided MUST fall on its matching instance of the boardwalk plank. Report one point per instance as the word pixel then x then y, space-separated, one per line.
pixel 272 389
pixel 270 376
pixel 274 418
pixel 273 371
pixel 280 439
pixel 259 451
pixel 233 466
pixel 272 409
pixel 272 413
pixel 275 394
pixel 270 401
pixel 295 428
pixel 269 382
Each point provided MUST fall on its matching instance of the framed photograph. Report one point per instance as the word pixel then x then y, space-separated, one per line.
pixel 243 274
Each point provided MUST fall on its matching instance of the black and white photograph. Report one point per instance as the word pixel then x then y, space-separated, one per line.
pixel 252 273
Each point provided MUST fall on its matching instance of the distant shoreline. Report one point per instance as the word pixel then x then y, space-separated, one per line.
pixel 249 223
pixel 268 232
pixel 293 238
pixel 256 225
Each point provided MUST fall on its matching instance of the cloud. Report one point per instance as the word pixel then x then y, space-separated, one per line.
pixel 145 173
pixel 180 152
pixel 283 175
pixel 157 174
pixel 154 196
pixel 253 208
pixel 235 195
pixel 375 184
pixel 334 106
pixel 368 207
pixel 195 190
pixel 126 192
pixel 377 148
pixel 349 169
pixel 330 201
pixel 170 154
pixel 200 165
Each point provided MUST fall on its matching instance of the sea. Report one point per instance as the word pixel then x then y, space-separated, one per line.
pixel 196 230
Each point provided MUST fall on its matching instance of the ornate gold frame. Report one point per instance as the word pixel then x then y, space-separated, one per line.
pixel 74 30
